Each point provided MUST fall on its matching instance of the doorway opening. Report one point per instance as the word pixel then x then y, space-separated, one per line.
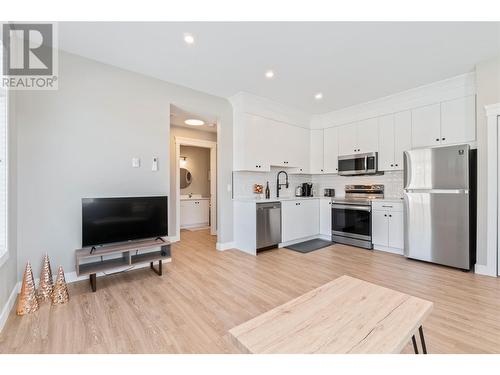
pixel 194 171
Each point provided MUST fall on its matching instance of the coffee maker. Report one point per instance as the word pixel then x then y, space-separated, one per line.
pixel 307 189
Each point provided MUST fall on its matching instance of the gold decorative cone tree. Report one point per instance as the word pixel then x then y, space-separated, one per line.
pixel 46 285
pixel 27 302
pixel 60 293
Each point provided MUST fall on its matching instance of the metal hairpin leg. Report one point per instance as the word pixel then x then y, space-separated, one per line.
pixel 414 341
pixel 93 281
pixel 422 340
pixel 157 271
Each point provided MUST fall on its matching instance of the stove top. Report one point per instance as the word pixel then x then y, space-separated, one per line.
pixel 360 194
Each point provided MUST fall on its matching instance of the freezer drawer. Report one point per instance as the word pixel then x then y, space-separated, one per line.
pixel 437 227
pixel 268 224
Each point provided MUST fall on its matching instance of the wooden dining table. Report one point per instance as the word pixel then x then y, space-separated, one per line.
pixel 346 315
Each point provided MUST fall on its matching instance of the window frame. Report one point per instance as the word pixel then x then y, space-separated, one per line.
pixel 4 253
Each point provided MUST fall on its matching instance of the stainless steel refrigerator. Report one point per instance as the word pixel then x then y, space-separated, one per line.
pixel 440 205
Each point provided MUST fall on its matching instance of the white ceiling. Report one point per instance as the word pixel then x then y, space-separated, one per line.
pixel 179 115
pixel 349 63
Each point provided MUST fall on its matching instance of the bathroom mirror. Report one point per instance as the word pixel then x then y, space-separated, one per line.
pixel 185 178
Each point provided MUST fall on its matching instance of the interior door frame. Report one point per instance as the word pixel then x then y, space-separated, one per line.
pixel 182 141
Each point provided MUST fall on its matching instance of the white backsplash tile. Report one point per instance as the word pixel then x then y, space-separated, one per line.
pixel 243 183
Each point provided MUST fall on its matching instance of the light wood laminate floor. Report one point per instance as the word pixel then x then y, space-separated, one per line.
pixel 204 293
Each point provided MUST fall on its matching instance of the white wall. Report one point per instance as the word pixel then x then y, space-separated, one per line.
pixel 488 92
pixel 198 163
pixel 78 142
pixel 244 181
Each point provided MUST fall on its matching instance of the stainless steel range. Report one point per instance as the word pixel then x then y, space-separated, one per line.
pixel 352 215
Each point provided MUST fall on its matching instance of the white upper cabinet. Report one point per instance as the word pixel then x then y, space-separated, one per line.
pixel 331 149
pixel 386 143
pixel 425 128
pixel 367 135
pixel 449 122
pixel 458 120
pixel 402 137
pixel 317 155
pixel 347 142
pixel 394 138
pixel 251 144
pixel 359 137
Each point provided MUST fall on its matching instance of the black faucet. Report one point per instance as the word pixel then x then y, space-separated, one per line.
pixel 278 185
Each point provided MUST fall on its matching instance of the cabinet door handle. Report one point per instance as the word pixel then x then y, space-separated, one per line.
pixel 390 215
pixel 387 206
pixel 396 165
pixel 443 138
pixel 437 139
pixel 385 215
pixel 392 165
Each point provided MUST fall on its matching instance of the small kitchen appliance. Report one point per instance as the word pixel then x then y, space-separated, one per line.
pixel 329 192
pixel 307 189
pixel 298 191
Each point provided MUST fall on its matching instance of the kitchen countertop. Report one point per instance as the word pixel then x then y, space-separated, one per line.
pixel 281 199
pixel 274 199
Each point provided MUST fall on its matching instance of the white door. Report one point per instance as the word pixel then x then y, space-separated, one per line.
pixel 426 126
pixel 316 151
pixel 331 150
pixel 367 135
pixel 309 210
pixel 396 233
pixel 386 143
pixel 402 137
pixel 291 221
pixel 253 144
pixel 380 230
pixel 458 120
pixel 347 139
pixel 325 217
pixel 279 146
pixel 298 156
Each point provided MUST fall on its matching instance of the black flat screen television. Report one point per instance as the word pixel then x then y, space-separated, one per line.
pixel 108 220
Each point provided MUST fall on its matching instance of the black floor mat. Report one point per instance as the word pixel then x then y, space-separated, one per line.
pixel 308 246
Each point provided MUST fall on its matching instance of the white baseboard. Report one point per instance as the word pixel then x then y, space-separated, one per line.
pixel 221 246
pixel 485 270
pixel 173 239
pixel 9 305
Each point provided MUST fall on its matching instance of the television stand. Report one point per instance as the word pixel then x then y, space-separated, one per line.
pixel 90 261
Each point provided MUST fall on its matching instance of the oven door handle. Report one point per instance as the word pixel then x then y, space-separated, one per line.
pixel 351 207
pixel 366 164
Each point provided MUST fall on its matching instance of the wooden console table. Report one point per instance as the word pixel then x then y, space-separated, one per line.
pixel 132 253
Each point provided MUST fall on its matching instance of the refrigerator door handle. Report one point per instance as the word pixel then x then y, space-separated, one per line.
pixel 438 191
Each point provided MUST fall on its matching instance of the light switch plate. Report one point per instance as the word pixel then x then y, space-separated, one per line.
pixel 136 162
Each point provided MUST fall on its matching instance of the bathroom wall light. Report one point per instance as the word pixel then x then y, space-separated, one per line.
pixel 183 161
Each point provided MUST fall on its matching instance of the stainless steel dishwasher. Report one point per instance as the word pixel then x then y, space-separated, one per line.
pixel 268 225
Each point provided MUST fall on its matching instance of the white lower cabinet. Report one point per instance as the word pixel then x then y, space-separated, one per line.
pixel 387 226
pixel 194 213
pixel 299 219
pixel 325 217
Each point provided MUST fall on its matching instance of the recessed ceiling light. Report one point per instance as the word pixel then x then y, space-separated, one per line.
pixel 194 122
pixel 269 74
pixel 188 38
pixel 318 96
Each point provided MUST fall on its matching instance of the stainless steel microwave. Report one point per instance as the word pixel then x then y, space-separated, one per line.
pixel 358 164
